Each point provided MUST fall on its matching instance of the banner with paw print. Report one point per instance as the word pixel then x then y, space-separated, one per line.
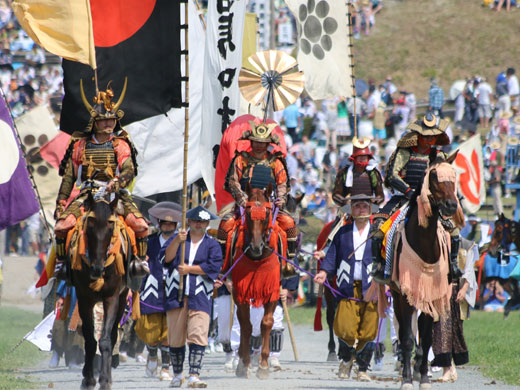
pixel 324 54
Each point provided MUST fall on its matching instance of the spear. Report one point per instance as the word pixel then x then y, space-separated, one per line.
pixel 186 139
pixel 351 55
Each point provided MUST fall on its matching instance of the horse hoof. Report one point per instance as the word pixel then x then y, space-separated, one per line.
pixel 407 386
pixel 105 386
pixel 88 384
pixel 242 370
pixel 262 372
pixel 332 357
pixel 425 386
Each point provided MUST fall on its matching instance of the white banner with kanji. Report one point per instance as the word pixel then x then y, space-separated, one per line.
pixel 222 63
pixel 469 166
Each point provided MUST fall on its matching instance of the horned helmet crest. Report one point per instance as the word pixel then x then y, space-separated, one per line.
pixel 104 107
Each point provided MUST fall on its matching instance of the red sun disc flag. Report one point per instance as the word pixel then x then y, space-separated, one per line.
pixel 137 39
pixel 229 145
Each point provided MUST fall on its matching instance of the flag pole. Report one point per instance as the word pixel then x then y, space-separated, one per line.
pixel 31 177
pixel 351 55
pixel 186 139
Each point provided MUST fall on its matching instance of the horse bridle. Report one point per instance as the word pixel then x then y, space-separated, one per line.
pixel 259 211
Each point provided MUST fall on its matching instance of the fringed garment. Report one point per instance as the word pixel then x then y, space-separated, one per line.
pixel 425 285
pixel 256 282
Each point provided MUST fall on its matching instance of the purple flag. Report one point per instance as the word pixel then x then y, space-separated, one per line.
pixel 17 196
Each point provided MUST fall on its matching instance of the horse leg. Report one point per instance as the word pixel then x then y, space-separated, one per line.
pixel 85 308
pixel 245 338
pixel 110 309
pixel 331 312
pixel 115 328
pixel 266 326
pixel 425 323
pixel 403 311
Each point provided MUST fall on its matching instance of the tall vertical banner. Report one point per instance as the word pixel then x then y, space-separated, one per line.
pixel 17 197
pixel 324 53
pixel 469 166
pixel 159 139
pixel 222 63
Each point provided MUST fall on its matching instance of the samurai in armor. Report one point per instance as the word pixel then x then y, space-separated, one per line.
pixel 259 168
pixel 359 176
pixel 416 150
pixel 102 156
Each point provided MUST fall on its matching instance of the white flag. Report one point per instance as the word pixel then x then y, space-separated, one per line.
pixel 36 128
pixel 222 63
pixel 41 336
pixel 159 140
pixel 323 47
pixel 469 166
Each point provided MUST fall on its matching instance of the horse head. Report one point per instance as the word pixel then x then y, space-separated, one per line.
pixel 100 220
pixel 502 235
pixel 293 206
pixel 258 218
pixel 439 191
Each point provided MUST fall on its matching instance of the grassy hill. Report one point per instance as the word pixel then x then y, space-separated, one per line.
pixel 414 40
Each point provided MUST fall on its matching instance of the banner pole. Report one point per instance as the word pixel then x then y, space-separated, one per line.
pixel 351 55
pixel 186 139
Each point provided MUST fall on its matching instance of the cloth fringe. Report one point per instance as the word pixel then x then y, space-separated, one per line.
pixel 376 293
pixel 136 306
pixel 425 285
pixel 76 244
pixel 74 319
pixel 97 284
pixel 257 282
pixel 64 312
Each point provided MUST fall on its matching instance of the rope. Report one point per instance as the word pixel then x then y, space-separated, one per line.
pixel 326 283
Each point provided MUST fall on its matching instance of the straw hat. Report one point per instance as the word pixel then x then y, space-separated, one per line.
pixel 506 115
pixel 495 145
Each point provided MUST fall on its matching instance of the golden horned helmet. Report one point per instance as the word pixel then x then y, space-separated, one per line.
pixel 103 107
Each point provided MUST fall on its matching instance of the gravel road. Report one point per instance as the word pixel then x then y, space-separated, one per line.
pixel 311 372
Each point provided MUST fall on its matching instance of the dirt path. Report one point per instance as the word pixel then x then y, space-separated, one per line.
pixel 311 372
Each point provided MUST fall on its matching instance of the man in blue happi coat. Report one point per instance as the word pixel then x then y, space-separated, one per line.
pixel 151 327
pixel 188 319
pixel 349 258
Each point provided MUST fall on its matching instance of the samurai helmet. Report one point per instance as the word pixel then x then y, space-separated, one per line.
pixel 360 147
pixel 104 107
pixel 262 132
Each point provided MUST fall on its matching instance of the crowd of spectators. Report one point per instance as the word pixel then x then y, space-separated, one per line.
pixel 26 76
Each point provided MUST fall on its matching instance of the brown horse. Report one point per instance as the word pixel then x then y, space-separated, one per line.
pixel 96 281
pixel 256 276
pixel 421 233
pixel 505 233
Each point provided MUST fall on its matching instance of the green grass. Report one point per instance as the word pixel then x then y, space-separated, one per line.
pixel 14 324
pixel 491 340
pixel 493 344
pixel 450 39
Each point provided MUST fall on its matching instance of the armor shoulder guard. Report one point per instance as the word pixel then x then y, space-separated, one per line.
pixel 375 178
pixel 399 152
pixel 230 171
pixel 67 156
pixel 122 134
pixel 279 156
